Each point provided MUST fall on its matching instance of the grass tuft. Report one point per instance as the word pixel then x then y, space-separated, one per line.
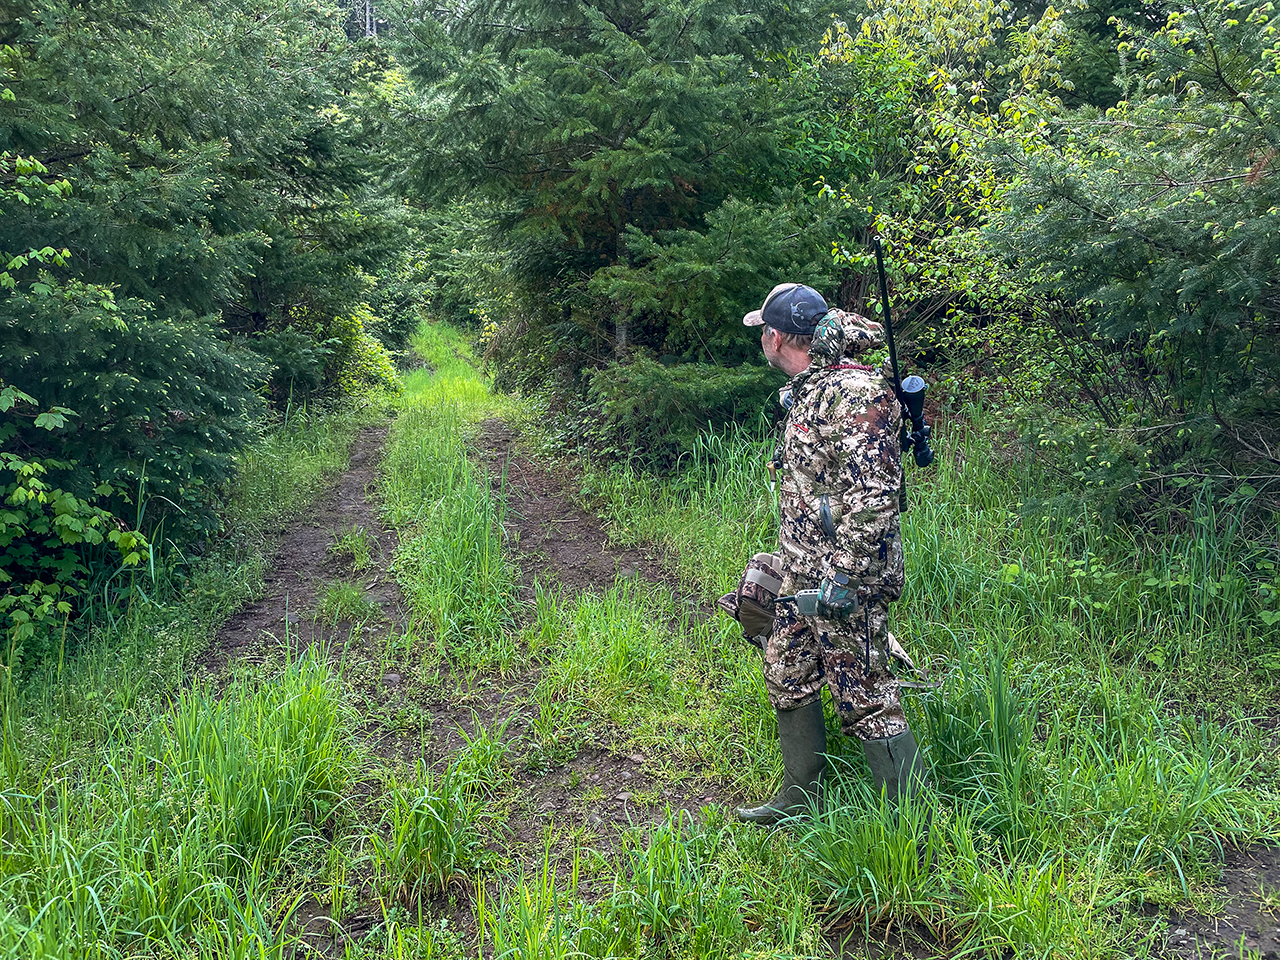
pixel 428 840
pixel 345 601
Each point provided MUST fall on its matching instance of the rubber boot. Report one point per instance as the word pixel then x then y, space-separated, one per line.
pixel 896 766
pixel 802 735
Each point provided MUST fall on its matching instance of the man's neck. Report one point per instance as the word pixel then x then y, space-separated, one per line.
pixel 793 360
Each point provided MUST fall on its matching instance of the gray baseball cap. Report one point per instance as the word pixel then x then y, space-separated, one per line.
pixel 790 308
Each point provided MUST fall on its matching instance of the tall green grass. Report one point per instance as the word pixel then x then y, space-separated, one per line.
pixel 122 663
pixel 429 837
pixel 182 834
pixel 451 563
pixel 679 889
pixel 1068 784
pixel 984 557
pixel 136 820
pixel 636 659
pixel 1077 768
pixel 1069 776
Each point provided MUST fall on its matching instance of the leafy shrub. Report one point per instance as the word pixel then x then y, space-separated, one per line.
pixel 297 361
pixel 42 528
pixel 356 361
pixel 1176 286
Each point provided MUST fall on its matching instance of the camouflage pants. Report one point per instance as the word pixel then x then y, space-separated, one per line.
pixel 802 654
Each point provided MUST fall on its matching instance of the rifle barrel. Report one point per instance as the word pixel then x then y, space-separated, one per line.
pixel 888 320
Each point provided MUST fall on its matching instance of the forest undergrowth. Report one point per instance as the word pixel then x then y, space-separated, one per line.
pixel 1100 735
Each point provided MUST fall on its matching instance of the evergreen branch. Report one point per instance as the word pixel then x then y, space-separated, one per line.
pixel 1152 477
pixel 137 93
pixel 1221 76
pixel 1185 183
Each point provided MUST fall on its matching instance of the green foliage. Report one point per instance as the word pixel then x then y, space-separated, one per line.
pixel 356 543
pixel 44 532
pixel 143 815
pixel 1157 218
pixel 953 75
pixel 641 211
pixel 138 819
pixel 429 840
pixel 536 920
pixel 297 362
pixel 673 899
pixel 208 195
pixel 162 403
pixel 357 362
pixel 657 412
pixel 450 563
pixel 175 835
pixel 611 657
pixel 344 601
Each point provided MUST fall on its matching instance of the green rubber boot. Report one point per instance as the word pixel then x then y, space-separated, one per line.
pixel 896 766
pixel 802 735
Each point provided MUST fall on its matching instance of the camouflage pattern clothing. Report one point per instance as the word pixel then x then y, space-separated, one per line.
pixel 841 462
pixel 849 656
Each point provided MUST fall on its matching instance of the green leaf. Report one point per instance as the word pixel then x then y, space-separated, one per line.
pixel 51 420
pixel 9 396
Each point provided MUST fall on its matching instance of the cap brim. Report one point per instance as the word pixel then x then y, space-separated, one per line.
pixel 754 319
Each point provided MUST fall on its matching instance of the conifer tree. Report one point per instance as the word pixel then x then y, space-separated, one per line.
pixel 586 127
pixel 184 187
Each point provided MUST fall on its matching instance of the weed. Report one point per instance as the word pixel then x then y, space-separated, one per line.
pixel 671 897
pixel 427 840
pixel 481 768
pixel 450 562
pixel 1269 899
pixel 344 601
pixel 534 920
pixel 357 544
pixel 177 837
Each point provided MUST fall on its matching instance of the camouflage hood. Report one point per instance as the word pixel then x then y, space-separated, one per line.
pixel 843 334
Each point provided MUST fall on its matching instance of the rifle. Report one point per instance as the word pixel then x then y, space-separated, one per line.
pixel 910 392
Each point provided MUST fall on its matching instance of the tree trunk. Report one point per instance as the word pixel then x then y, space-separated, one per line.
pixel 620 318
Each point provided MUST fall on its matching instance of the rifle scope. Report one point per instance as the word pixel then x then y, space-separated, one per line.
pixel 917 440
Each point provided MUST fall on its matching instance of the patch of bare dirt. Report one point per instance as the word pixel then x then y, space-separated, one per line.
pixel 1250 924
pixel 304 562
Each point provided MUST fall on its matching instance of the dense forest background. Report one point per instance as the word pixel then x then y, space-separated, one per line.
pixel 215 214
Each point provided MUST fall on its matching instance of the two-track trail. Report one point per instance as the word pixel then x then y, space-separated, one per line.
pixel 591 798
pixel 413 709
pixel 556 540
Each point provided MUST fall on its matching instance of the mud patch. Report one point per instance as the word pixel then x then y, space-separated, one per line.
pixel 1250 923
pixel 304 561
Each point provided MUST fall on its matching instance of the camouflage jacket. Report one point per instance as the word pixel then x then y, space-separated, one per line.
pixel 840 447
